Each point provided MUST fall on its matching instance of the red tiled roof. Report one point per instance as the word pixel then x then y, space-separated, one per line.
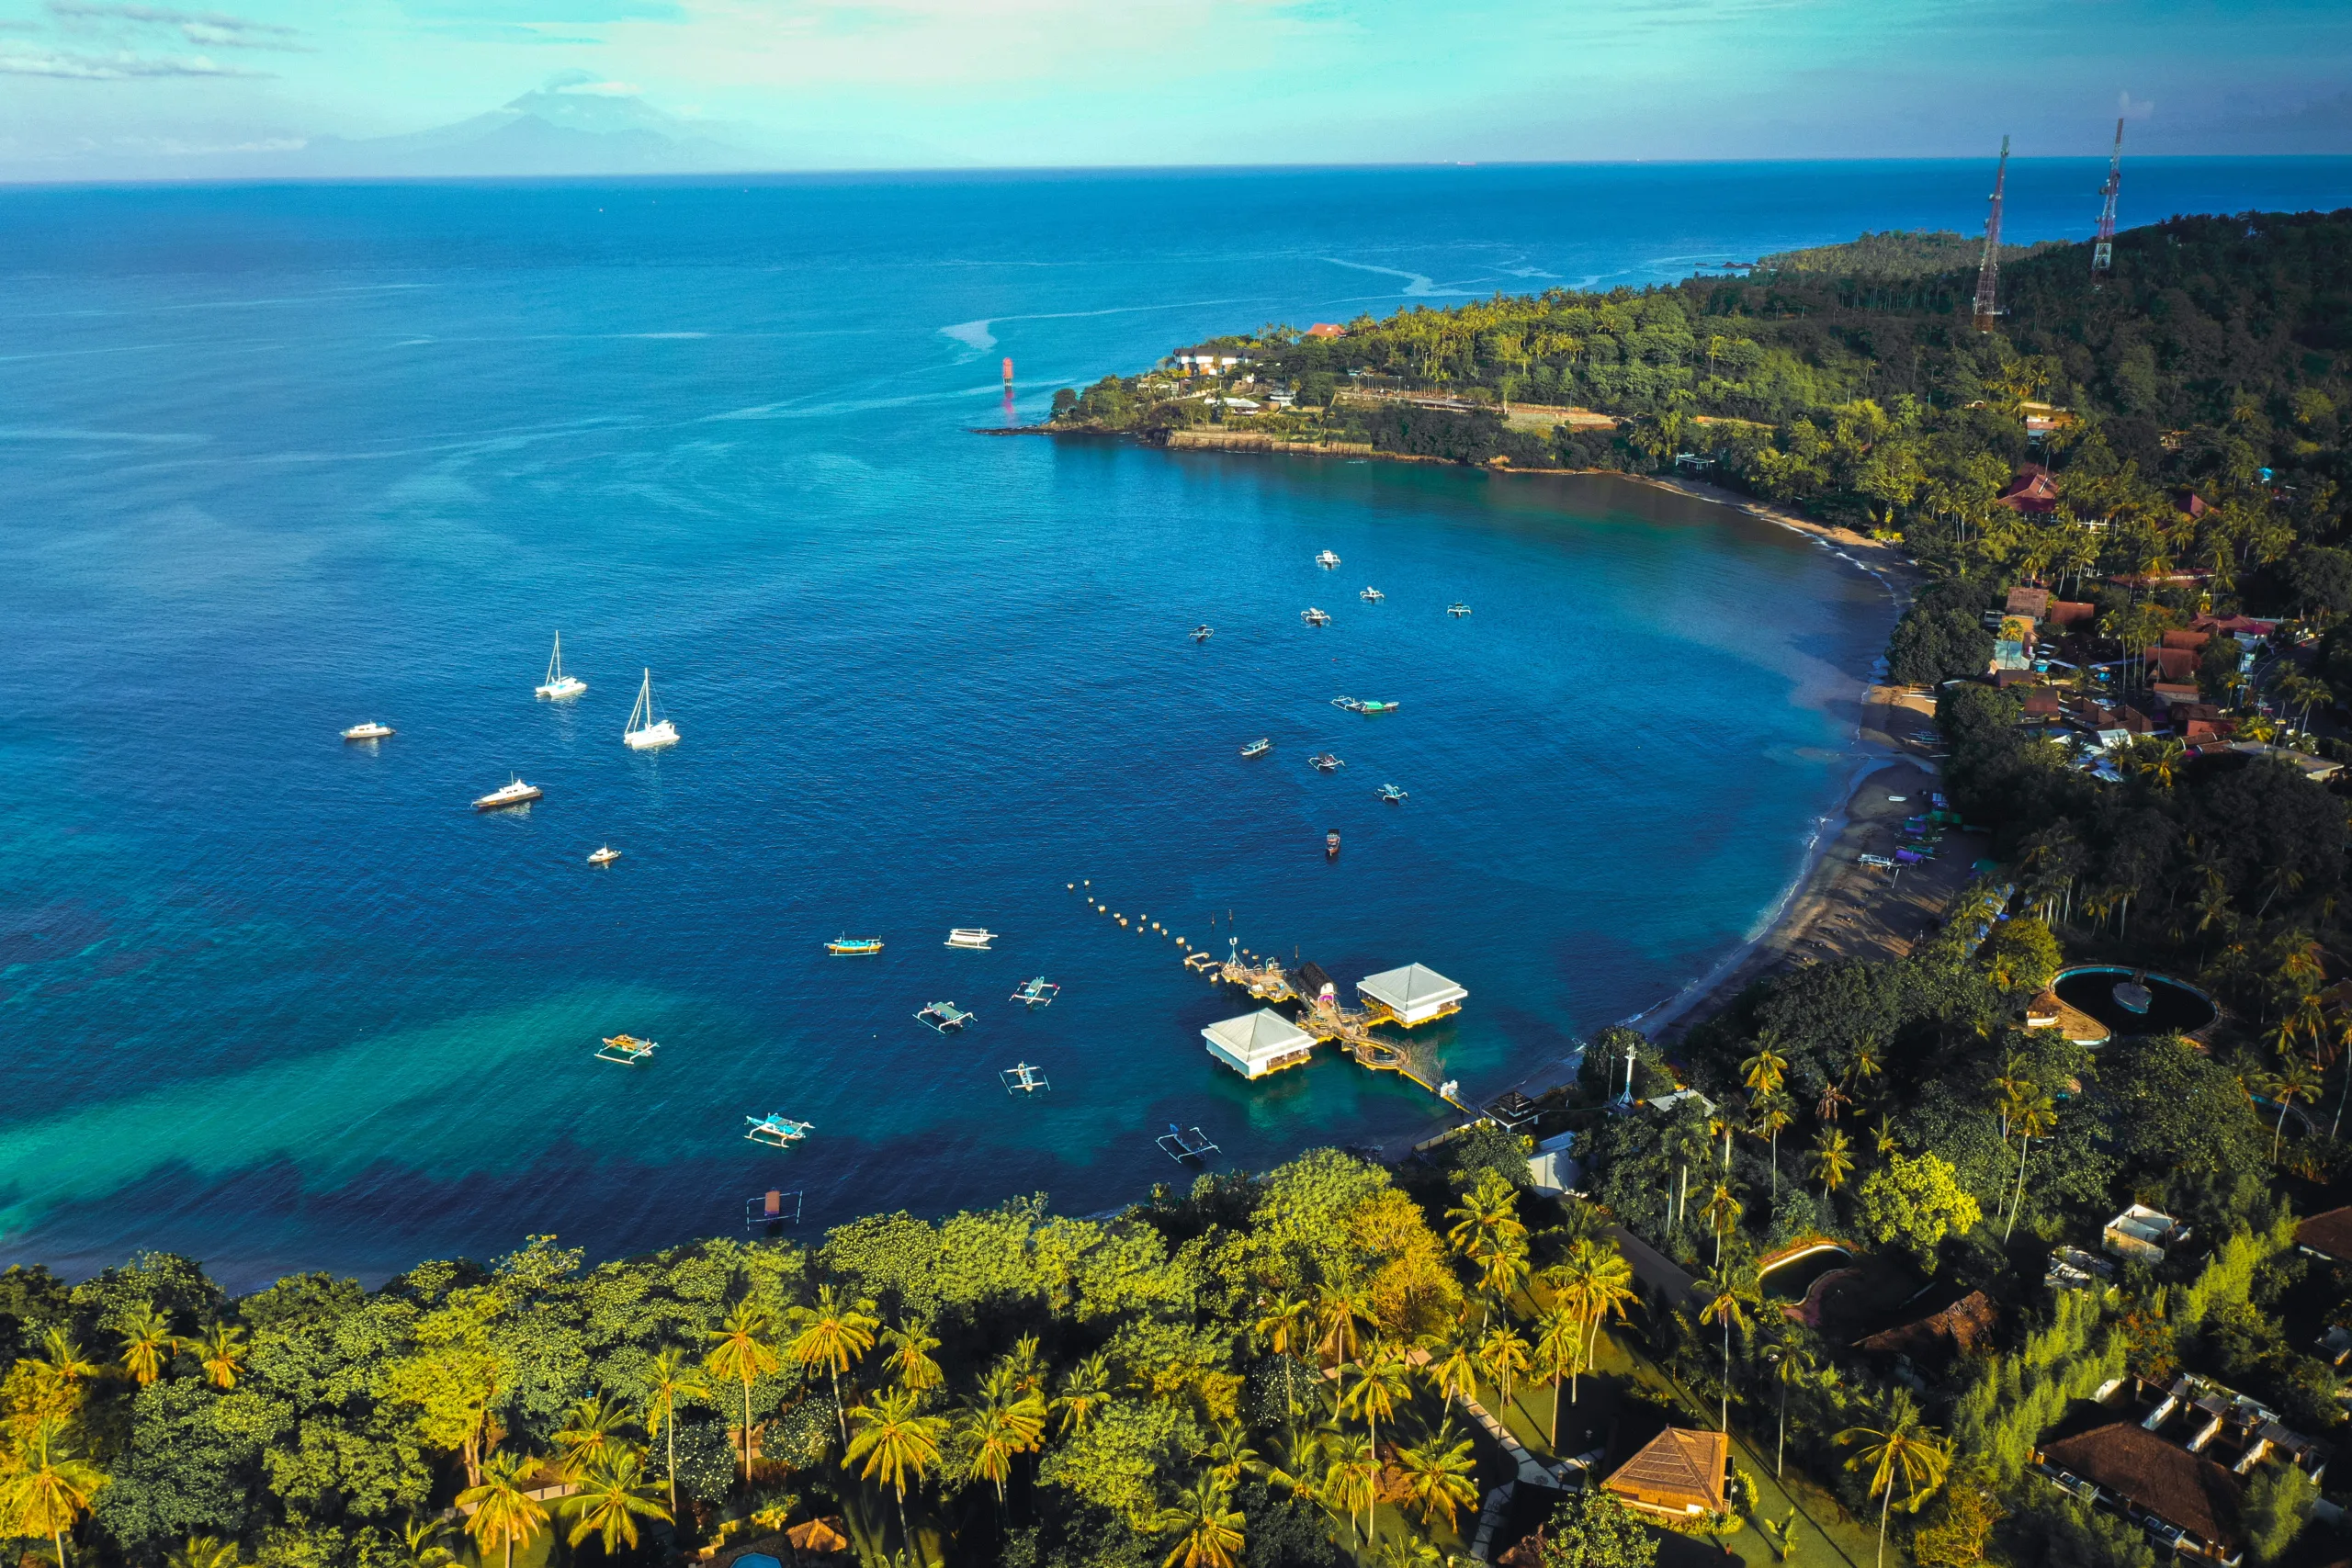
pixel 1325 329
pixel 1953 1331
pixel 2069 612
pixel 2177 663
pixel 2187 1489
pixel 2179 639
pixel 2329 1233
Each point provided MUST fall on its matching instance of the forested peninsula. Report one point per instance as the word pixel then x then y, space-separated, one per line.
pixel 1953 1255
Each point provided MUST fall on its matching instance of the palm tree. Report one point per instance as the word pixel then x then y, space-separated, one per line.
pixel 897 1443
pixel 207 1551
pixel 1831 1162
pixel 592 1431
pixel 1338 1314
pixel 503 1513
pixel 1792 1364
pixel 63 1362
pixel 1764 1072
pixel 1086 1389
pixel 1351 1482
pixel 834 1334
pixel 223 1353
pixel 1771 1115
pixel 1722 1212
pixel 909 1359
pixel 1000 1423
pixel 2296 1079
pixel 1503 1356
pixel 1899 1448
pixel 1559 1351
pixel 1833 1100
pixel 1729 1292
pixel 1864 1064
pixel 614 1494
pixel 1207 1530
pixel 52 1486
pixel 667 1382
pixel 740 1350
pixel 1440 1474
pixel 422 1536
pixel 1603 1284
pixel 1372 1390
pixel 148 1345
pixel 1452 1364
pixel 1502 1271
pixel 2032 1122
pixel 1230 1456
pixel 1282 1322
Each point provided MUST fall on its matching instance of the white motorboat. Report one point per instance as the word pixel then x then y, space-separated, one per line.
pixel 559 686
pixel 371 730
pixel 971 936
pixel 1327 560
pixel 604 855
pixel 514 792
pixel 1315 617
pixel 644 732
pixel 1372 595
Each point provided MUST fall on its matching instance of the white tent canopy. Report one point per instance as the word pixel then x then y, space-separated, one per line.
pixel 1259 1043
pixel 1416 993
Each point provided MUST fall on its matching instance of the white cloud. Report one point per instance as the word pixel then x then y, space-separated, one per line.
pixel 24 59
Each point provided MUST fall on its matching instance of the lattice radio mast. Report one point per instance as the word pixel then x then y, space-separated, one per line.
pixel 1988 272
pixel 2103 253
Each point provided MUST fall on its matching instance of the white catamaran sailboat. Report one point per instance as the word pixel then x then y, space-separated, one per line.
pixel 559 686
pixel 646 733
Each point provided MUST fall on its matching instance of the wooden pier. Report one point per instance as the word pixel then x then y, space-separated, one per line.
pixel 1328 1022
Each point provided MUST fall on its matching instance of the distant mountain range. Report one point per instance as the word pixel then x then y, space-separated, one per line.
pixel 567 127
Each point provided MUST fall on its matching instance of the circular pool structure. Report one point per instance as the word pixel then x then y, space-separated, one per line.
pixel 1788 1279
pixel 2133 1002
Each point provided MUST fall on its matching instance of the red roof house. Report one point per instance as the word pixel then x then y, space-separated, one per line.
pixel 2032 491
pixel 2173 663
pixel 2070 612
pixel 1327 329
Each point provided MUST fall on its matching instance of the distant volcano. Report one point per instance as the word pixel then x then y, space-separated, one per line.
pixel 572 125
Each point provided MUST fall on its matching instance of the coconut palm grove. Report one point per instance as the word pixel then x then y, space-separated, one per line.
pixel 2025 1244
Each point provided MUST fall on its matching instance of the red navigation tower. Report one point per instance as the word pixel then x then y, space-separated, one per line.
pixel 2103 253
pixel 1988 272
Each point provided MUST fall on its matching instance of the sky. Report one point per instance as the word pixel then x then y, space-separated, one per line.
pixel 97 87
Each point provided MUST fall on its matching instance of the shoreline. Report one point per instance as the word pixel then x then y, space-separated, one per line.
pixel 1834 907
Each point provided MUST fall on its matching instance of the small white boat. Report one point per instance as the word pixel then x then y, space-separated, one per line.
pixel 1327 560
pixel 1315 617
pixel 514 792
pixel 604 854
pixel 1326 762
pixel 776 1130
pixel 971 936
pixel 1372 595
pixel 1257 748
pixel 371 730
pixel 1391 793
pixel 1024 1077
pixel 558 686
pixel 1203 632
pixel 1457 610
pixel 644 732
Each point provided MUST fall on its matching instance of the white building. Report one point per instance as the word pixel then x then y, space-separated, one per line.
pixel 2144 1233
pixel 1413 994
pixel 1264 1042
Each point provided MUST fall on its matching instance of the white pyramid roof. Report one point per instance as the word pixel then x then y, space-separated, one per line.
pixel 1258 1035
pixel 1414 988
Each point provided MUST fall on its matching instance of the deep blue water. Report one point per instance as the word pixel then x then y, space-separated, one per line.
pixel 280 459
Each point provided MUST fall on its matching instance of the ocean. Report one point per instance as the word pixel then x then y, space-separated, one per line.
pixel 280 459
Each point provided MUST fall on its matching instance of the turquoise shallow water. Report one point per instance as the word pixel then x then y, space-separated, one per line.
pixel 283 460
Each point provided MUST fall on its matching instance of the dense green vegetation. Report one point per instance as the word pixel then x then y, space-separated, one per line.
pixel 1272 1369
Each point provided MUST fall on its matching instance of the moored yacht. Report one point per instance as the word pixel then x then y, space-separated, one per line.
pixel 559 686
pixel 514 792
pixel 644 732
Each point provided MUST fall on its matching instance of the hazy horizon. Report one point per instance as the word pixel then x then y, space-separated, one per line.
pixel 105 90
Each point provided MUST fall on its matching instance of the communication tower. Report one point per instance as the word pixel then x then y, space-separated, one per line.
pixel 1988 272
pixel 2103 253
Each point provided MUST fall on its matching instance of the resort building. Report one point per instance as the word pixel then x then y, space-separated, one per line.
pixel 2327 1235
pixel 1679 1474
pixel 2143 1234
pixel 1263 1041
pixel 1410 995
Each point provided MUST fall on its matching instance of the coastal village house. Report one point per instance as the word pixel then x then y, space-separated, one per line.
pixel 1679 1474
